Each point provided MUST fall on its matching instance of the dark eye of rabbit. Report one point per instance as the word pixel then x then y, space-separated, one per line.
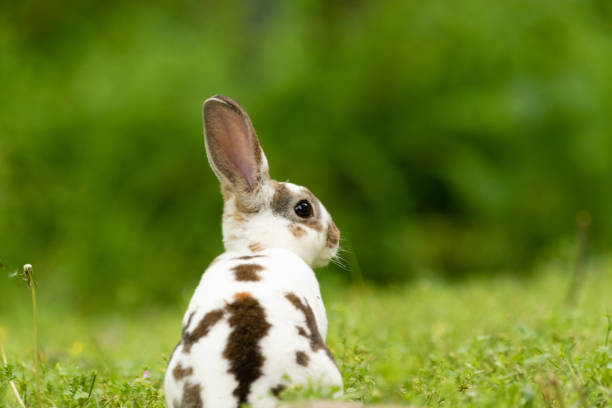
pixel 303 209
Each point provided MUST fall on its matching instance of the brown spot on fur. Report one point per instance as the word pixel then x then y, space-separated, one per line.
pixel 189 319
pixel 248 321
pixel 255 247
pixel 277 390
pixel 183 334
pixel 181 372
pixel 312 223
pixel 201 330
pixel 302 358
pixel 247 257
pixel 281 200
pixel 247 272
pixel 241 296
pixel 191 396
pixel 316 341
pixel 296 230
pixel 333 235
pixel 236 216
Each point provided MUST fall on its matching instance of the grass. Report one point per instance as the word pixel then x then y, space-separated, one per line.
pixel 496 341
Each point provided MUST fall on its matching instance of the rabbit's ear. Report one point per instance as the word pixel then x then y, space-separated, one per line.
pixel 232 147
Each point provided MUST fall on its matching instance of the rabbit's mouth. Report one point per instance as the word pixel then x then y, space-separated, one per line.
pixel 329 254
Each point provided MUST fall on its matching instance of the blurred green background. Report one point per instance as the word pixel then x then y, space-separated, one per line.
pixel 447 138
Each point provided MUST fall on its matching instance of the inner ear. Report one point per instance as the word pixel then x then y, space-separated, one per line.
pixel 231 144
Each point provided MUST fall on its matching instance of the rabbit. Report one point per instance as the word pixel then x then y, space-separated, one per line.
pixel 256 323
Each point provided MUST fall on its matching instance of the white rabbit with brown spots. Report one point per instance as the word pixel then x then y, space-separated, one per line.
pixel 256 322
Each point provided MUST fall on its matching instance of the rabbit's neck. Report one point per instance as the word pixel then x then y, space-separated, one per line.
pixel 263 231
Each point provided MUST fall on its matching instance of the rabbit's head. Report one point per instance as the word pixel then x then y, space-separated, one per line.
pixel 259 212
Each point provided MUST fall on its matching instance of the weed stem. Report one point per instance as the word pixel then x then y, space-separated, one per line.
pixel 583 220
pixel 11 382
pixel 609 329
pixel 27 270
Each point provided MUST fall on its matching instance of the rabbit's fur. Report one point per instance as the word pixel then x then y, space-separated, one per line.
pixel 256 322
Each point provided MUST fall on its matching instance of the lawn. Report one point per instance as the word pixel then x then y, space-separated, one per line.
pixel 493 341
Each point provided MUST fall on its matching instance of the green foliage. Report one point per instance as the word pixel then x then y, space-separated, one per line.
pixel 494 342
pixel 311 391
pixel 72 387
pixel 445 137
pixel 505 342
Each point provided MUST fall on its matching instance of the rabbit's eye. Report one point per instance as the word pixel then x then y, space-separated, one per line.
pixel 303 209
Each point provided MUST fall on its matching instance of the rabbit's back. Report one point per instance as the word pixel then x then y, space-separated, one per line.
pixel 255 324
